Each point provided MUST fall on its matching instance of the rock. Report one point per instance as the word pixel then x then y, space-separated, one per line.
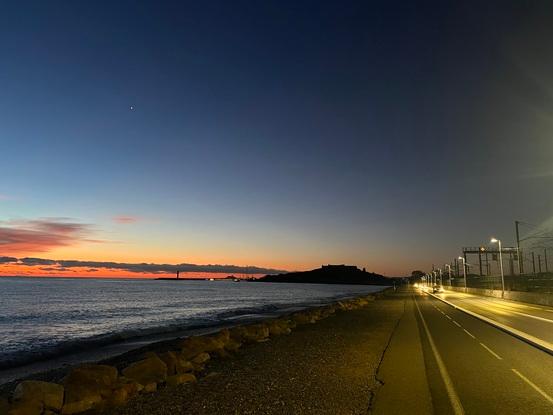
pixel 180 379
pixel 121 394
pixel 171 361
pixel 183 365
pixel 201 359
pixel 31 407
pixel 149 370
pixel 150 388
pixel 50 394
pixel 87 385
pixel 250 334
pixel 78 406
pixel 195 345
pixel 232 345
pixel 278 327
pixel 301 318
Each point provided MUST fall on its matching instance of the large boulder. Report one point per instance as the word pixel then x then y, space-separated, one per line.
pixel 250 334
pixel 193 346
pixel 171 361
pixel 50 394
pixel 183 365
pixel 180 379
pixel 32 407
pixel 149 370
pixel 86 386
pixel 278 327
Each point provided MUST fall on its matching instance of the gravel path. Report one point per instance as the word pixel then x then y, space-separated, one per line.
pixel 324 368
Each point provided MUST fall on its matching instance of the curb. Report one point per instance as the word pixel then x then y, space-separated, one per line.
pixel 525 337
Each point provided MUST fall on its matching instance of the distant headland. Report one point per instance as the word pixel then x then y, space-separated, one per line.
pixel 330 274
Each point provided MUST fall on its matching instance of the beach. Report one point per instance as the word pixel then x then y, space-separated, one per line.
pixel 327 367
pixel 324 368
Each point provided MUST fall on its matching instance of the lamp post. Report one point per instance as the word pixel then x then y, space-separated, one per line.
pixel 493 241
pixel 464 271
pixel 449 271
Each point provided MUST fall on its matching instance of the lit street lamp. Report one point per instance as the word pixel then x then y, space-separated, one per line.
pixel 493 241
pixel 464 271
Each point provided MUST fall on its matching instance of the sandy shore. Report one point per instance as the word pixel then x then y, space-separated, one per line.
pixel 324 368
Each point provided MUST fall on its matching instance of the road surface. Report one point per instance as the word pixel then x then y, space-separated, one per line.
pixel 535 320
pixel 470 367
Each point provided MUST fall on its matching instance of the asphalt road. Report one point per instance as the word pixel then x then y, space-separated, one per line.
pixel 474 368
pixel 534 320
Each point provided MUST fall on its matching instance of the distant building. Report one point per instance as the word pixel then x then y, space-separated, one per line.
pixel 339 268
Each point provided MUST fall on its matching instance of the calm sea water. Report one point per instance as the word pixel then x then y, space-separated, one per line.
pixel 45 317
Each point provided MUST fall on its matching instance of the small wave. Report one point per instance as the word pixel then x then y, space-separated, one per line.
pixel 210 320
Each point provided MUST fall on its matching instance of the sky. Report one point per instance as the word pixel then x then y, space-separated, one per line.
pixel 277 134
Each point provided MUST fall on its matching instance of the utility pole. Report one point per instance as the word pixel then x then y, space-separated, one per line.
pixel 520 260
pixel 533 263
pixel 539 263
pixel 545 259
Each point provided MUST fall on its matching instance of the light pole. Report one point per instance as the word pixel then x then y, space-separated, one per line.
pixel 493 241
pixel 464 271
pixel 449 271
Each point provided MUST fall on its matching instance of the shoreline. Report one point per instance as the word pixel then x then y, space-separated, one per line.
pixel 52 367
pixel 300 319
pixel 104 346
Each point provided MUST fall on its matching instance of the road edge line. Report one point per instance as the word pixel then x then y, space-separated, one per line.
pixel 525 337
pixel 456 404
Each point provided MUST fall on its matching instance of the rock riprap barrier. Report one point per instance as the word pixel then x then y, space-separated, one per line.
pixel 94 386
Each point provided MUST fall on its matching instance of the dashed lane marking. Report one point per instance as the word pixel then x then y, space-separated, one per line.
pixel 533 385
pixel 469 333
pixel 457 324
pixel 494 354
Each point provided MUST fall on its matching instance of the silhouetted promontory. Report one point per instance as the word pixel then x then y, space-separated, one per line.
pixel 330 274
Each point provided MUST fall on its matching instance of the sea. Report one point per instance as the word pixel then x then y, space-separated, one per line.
pixel 49 322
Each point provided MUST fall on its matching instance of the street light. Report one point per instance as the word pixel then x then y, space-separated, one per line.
pixel 464 271
pixel 493 241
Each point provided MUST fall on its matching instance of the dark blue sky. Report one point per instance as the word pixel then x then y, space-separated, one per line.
pixel 282 134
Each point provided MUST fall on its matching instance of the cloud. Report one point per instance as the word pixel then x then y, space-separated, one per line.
pixel 125 219
pixel 147 268
pixel 7 259
pixel 41 235
pixel 36 261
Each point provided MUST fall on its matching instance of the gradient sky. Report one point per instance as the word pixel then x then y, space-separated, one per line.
pixel 278 134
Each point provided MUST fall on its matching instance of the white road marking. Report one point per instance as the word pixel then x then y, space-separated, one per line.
pixel 457 324
pixel 452 394
pixel 536 387
pixel 491 351
pixel 447 316
pixel 469 333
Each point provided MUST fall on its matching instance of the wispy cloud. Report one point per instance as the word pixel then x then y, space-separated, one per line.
pixel 125 219
pixel 41 235
pixel 142 268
